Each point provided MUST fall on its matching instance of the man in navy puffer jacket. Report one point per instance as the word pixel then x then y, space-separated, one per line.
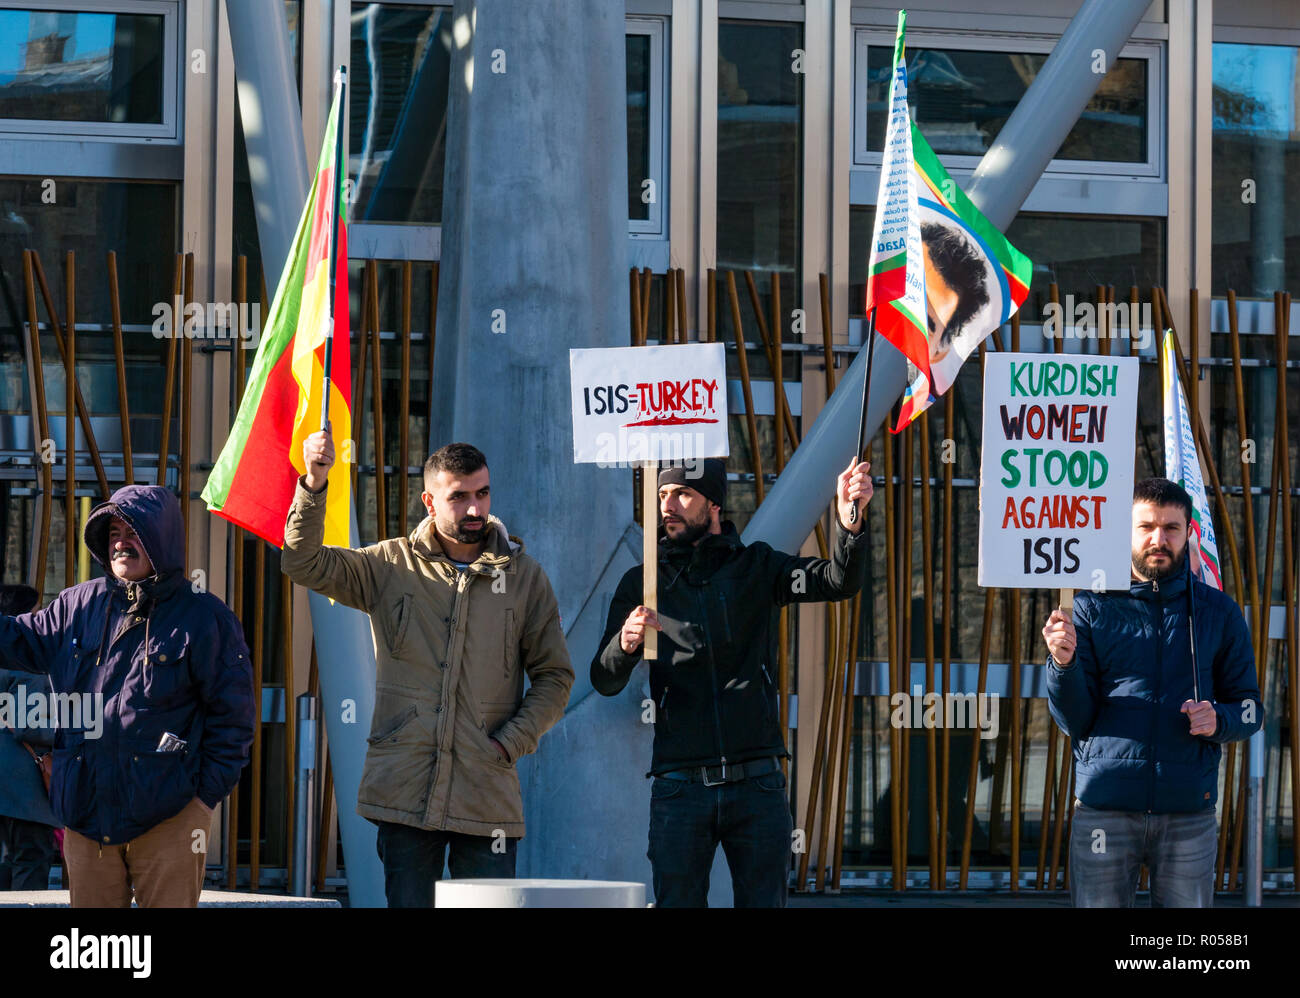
pixel 163 684
pixel 1146 740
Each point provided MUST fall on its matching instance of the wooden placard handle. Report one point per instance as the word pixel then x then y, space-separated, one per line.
pixel 650 553
pixel 1067 600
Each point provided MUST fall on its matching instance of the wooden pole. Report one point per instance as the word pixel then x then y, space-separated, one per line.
pixel 87 430
pixel 290 715
pixel 119 358
pixel 404 406
pixel 846 746
pixel 186 407
pixel 927 590
pixel 41 426
pixel 650 553
pixel 891 630
pixel 376 404
pixel 255 756
pixel 670 309
pixel 635 296
pixel 1288 572
pixel 169 370
pixel 683 327
pixel 712 292
pixel 949 415
pixel 743 361
pixel 70 421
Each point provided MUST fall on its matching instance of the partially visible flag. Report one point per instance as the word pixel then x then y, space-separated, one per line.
pixel 252 483
pixel 1183 466
pixel 896 268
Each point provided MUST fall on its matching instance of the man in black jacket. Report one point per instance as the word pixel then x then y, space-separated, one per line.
pixel 718 740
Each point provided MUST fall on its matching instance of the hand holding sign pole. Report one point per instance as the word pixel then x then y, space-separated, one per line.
pixel 642 405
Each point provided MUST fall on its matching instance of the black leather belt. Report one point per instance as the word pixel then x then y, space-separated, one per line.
pixel 732 772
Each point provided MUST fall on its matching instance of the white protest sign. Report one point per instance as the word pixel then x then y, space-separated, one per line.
pixel 632 405
pixel 1056 471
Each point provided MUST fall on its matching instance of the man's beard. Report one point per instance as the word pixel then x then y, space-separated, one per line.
pixel 466 535
pixel 689 532
pixel 1150 572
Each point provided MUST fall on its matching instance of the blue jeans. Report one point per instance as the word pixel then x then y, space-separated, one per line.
pixel 749 818
pixel 1108 848
pixel 413 859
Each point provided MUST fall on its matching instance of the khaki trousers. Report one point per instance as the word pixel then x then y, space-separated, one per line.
pixel 164 865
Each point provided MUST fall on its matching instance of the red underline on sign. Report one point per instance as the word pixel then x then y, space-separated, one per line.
pixel 669 421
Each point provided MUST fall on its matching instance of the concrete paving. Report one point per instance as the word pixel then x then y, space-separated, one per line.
pixel 208 899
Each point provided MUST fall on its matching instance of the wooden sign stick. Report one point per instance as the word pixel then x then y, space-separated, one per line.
pixel 1067 600
pixel 650 553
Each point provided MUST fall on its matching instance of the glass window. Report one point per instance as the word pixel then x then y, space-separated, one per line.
pixel 760 162
pixel 1255 224
pixel 397 102
pixel 962 98
pixel 638 126
pixel 79 66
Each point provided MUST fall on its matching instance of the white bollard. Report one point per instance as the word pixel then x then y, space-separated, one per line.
pixel 538 893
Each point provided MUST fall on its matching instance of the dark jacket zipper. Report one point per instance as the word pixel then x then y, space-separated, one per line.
pixel 713 674
pixel 1155 703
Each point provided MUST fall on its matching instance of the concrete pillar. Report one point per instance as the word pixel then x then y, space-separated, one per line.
pixel 534 262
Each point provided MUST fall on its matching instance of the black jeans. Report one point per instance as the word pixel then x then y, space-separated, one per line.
pixel 749 818
pixel 27 851
pixel 413 860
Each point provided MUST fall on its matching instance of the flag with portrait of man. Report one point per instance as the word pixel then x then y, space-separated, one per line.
pixel 974 278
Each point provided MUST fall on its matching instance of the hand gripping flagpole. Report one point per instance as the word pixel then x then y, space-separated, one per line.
pixel 866 398
pixel 339 172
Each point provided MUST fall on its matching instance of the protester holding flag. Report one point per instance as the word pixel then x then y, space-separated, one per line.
pixel 718 744
pixel 460 616
pixel 1149 681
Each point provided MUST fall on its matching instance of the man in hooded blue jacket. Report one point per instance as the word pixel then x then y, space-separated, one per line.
pixel 161 679
pixel 1147 711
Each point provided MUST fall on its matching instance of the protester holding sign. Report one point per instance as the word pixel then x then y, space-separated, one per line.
pixel 718 741
pixel 1148 682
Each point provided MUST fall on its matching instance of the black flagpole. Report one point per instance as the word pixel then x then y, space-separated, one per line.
pixel 340 172
pixel 866 397
pixel 1191 622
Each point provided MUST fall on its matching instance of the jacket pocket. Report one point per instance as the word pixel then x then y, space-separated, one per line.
pixel 158 786
pixel 393 726
pixel 401 754
pixel 398 621
pixel 71 791
pixel 510 658
pixel 165 670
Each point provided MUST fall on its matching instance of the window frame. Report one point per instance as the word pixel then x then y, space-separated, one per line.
pixel 169 131
pixel 1154 168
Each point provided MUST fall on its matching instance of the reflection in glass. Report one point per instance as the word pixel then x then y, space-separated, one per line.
pixel 397 100
pixel 961 100
pixel 1255 227
pixel 75 66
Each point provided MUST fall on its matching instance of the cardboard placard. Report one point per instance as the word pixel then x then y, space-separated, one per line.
pixel 1056 471
pixel 632 405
